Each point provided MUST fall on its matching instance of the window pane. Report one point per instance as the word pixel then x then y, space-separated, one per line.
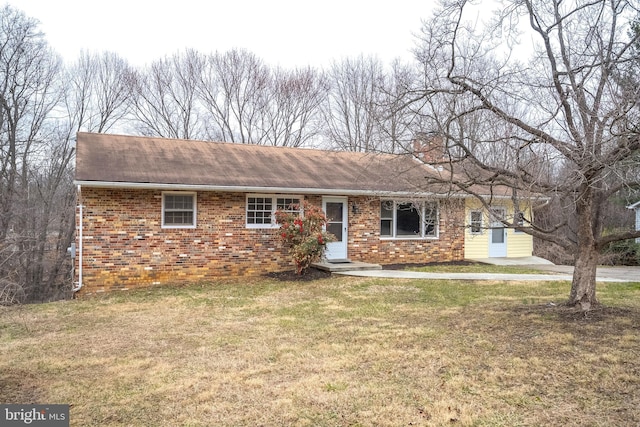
pixel 335 229
pixel 430 219
pixel 386 209
pixel 386 218
pixel 476 222
pixel 407 220
pixel 178 218
pixel 263 217
pixel 288 204
pixel 334 211
pixel 178 202
pixel 385 228
pixel 259 217
pixel 169 202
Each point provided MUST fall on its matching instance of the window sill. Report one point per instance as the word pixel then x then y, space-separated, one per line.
pixel 410 238
pixel 262 226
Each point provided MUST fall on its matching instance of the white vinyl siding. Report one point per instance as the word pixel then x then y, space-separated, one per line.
pixel 476 245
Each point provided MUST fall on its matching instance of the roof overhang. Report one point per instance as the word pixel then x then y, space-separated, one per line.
pixel 269 190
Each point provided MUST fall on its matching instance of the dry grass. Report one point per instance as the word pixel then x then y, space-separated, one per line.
pixel 470 267
pixel 332 352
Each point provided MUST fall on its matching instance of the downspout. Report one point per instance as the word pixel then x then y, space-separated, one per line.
pixel 78 285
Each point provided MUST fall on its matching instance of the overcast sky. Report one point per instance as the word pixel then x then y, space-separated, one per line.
pixel 281 32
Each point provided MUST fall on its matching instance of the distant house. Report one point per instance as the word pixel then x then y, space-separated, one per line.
pixel 154 211
pixel 636 208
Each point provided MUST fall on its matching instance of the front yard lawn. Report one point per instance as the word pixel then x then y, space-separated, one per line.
pixel 469 267
pixel 331 352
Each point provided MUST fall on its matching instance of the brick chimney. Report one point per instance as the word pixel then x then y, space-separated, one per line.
pixel 429 147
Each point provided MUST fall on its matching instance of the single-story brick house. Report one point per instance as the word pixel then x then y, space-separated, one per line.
pixel 154 211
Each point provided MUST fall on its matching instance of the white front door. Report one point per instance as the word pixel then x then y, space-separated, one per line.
pixel 337 223
pixel 497 234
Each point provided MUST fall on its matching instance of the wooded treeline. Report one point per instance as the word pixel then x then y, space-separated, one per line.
pixel 229 96
pixel 357 104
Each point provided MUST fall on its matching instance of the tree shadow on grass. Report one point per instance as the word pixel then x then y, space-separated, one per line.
pixel 566 313
pixel 290 276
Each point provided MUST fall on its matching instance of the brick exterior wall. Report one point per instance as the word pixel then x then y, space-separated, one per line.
pixel 125 247
pixel 365 243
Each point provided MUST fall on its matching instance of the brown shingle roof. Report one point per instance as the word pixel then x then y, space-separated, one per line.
pixel 117 160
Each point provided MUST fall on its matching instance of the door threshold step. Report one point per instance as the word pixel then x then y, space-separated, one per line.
pixel 346 265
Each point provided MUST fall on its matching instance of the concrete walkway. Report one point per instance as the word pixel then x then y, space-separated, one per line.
pixel 556 272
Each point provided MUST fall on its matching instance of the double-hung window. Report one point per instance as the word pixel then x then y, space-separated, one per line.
pixel 178 210
pixel 408 220
pixel 475 222
pixel 261 209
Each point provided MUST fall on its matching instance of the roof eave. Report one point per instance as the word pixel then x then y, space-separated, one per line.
pixel 247 189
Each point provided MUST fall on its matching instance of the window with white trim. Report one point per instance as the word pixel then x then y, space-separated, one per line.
pixel 179 210
pixel 261 208
pixel 475 222
pixel 408 220
pixel 259 211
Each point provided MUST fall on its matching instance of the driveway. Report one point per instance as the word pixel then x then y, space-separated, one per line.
pixel 622 273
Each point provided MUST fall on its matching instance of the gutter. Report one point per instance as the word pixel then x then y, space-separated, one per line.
pixel 256 189
pixel 282 190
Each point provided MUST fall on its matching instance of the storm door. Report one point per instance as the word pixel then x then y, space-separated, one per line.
pixel 497 233
pixel 337 224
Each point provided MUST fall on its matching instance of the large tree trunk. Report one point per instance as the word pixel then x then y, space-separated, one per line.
pixel 583 287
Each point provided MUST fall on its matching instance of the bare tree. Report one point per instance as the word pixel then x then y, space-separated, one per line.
pixel 48 229
pixel 558 123
pixel 164 98
pixel 29 92
pixel 353 107
pixel 234 91
pixel 245 101
pixel 290 118
pixel 98 92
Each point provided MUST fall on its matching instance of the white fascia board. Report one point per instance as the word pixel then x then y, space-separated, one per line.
pixel 636 205
pixel 268 190
pixel 507 197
